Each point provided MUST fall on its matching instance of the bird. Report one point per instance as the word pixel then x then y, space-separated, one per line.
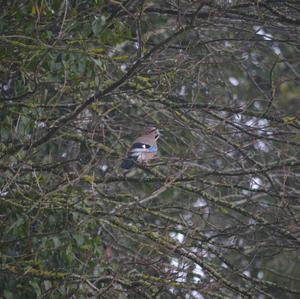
pixel 143 149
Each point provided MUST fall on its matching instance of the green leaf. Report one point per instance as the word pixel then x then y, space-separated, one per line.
pixel 47 284
pixel 56 242
pixel 36 287
pixel 8 294
pixel 289 120
pixel 89 178
pixel 79 239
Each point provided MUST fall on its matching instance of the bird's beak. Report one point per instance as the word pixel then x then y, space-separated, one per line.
pixel 158 134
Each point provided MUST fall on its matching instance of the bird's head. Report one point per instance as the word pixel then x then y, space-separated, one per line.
pixel 152 131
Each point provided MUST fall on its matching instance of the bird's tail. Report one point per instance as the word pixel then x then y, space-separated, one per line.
pixel 127 163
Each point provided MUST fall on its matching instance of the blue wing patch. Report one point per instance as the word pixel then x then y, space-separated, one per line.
pixel 152 149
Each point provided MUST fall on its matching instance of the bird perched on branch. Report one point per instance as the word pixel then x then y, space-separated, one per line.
pixel 144 148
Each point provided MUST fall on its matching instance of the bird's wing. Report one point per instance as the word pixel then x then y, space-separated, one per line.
pixel 138 148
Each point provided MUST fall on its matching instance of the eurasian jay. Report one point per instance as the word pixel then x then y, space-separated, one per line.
pixel 144 148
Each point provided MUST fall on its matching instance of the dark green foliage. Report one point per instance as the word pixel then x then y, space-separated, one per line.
pixel 215 215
